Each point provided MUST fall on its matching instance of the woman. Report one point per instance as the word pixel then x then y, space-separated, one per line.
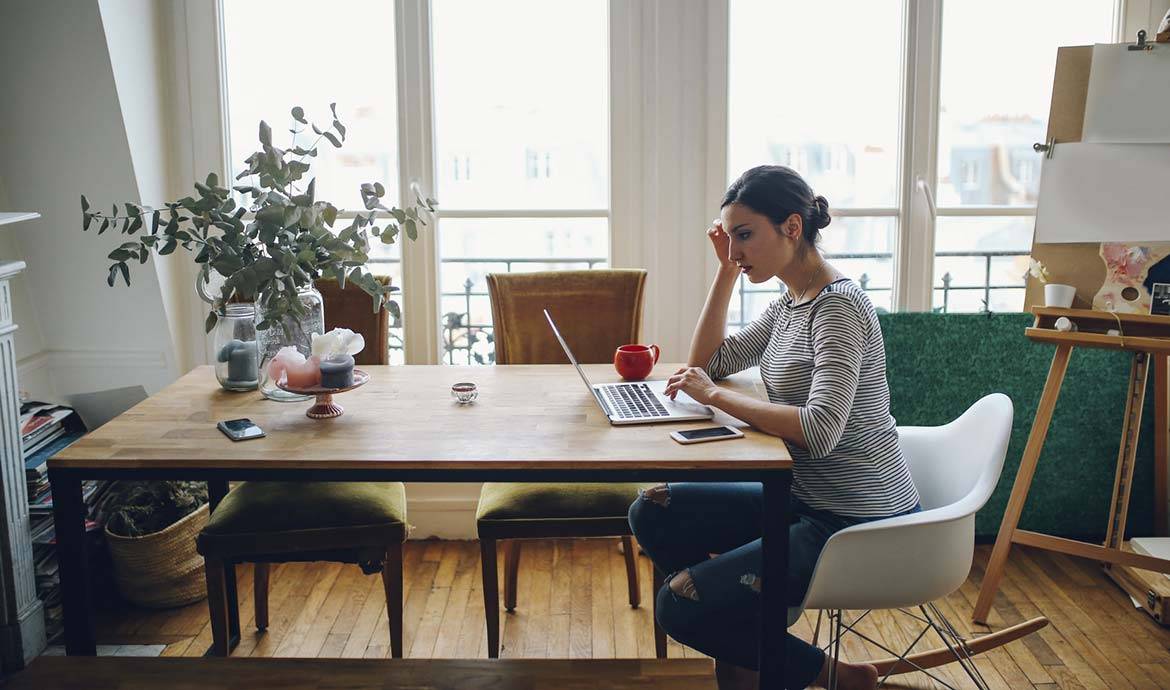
pixel 822 360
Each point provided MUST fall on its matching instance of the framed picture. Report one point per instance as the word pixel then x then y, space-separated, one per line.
pixel 1160 299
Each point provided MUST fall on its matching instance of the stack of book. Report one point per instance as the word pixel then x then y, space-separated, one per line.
pixel 46 429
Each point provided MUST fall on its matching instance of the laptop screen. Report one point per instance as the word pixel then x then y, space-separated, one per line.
pixel 568 352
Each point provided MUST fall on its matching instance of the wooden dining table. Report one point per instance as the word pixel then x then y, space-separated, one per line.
pixel 529 424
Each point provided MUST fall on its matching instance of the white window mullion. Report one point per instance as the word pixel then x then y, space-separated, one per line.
pixel 921 64
pixel 420 263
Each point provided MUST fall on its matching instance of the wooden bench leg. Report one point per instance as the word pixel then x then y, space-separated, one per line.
pixel 392 583
pixel 659 634
pixel 511 572
pixel 213 570
pixel 491 595
pixel 260 594
pixel 632 571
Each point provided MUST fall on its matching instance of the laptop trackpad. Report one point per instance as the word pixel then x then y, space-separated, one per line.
pixel 682 403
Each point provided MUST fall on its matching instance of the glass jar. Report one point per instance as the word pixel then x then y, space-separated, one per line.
pixel 298 334
pixel 233 342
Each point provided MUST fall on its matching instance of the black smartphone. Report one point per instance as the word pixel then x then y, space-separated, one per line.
pixel 240 429
pixel 714 433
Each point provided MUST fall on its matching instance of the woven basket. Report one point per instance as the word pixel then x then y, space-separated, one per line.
pixel 161 570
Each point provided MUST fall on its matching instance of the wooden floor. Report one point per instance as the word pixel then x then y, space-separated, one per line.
pixel 572 603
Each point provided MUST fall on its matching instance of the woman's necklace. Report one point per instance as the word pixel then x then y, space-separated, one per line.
pixel 798 299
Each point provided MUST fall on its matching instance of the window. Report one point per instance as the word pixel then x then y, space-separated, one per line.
pixel 507 112
pixel 317 73
pixel 531 110
pixel 784 108
pixel 993 105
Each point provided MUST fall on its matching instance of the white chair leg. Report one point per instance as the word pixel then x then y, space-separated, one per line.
pixel 954 642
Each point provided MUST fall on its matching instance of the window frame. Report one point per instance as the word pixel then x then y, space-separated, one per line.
pixel 649 114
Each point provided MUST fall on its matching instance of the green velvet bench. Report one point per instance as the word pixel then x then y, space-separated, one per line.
pixel 938 364
pixel 268 522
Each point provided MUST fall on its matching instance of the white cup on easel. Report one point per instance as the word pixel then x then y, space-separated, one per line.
pixel 1058 295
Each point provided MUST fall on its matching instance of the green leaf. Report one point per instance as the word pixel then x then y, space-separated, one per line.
pixel 333 109
pixel 298 114
pixel 156 217
pixel 86 219
pixel 125 272
pixel 212 180
pixel 119 255
pixel 113 275
pixel 135 225
pixel 168 247
pixel 84 203
pixel 210 322
pixel 379 190
pixel 105 225
pixel 332 139
pixel 265 133
pixel 329 215
pixel 340 128
pixel 129 208
pixel 411 229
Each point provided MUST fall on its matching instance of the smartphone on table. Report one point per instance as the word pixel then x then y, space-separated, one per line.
pixel 240 429
pixel 712 433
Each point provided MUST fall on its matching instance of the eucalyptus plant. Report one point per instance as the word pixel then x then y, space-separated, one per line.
pixel 281 242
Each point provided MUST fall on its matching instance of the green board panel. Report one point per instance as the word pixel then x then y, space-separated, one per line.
pixel 939 364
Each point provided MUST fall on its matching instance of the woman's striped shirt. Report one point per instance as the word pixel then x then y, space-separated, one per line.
pixel 827 358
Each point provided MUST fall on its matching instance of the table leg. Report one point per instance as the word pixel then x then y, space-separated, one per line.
pixel 216 490
pixel 774 593
pixel 72 563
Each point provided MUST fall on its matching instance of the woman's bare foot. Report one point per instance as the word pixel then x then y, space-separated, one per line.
pixel 849 676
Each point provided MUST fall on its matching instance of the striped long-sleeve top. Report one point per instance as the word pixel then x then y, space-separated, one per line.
pixel 826 357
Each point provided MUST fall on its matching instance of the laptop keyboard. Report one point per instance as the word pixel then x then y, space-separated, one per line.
pixel 634 401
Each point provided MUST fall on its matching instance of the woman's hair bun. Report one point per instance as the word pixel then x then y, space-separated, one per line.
pixel 820 212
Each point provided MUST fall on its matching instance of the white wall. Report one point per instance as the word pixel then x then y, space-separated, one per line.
pixel 63 133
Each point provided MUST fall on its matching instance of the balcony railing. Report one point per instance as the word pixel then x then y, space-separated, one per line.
pixel 468 342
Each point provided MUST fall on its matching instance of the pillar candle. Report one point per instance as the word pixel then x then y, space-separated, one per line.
pixel 337 372
pixel 242 362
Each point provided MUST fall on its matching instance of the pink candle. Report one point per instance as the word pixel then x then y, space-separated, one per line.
pixel 290 368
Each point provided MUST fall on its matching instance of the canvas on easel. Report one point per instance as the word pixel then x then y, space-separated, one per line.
pixel 1109 249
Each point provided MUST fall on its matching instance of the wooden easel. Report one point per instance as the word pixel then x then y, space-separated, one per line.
pixel 1148 338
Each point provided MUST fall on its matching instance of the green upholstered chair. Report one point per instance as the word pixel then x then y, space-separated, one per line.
pixel 596 311
pixel 276 522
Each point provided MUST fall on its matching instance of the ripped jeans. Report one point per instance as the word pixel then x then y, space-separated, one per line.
pixel 702 518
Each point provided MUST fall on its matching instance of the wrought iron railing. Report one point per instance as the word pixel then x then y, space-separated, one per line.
pixel 470 342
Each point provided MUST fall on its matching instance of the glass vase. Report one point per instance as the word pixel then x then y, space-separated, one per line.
pixel 297 333
pixel 234 344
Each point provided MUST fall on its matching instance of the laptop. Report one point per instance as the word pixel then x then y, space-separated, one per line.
pixel 636 402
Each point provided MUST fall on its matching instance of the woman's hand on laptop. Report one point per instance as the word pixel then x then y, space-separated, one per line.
pixel 694 382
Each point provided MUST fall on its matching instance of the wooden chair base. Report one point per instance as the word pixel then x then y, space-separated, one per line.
pixel 491 591
pixel 223 640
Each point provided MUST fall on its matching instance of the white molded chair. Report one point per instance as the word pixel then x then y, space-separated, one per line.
pixel 909 561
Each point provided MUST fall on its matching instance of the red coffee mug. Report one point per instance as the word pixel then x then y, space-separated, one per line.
pixel 635 362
